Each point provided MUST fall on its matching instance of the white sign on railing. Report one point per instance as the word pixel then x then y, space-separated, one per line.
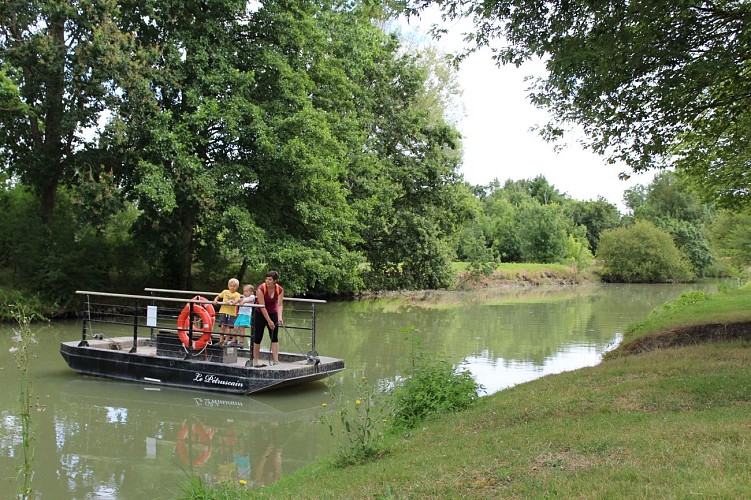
pixel 150 315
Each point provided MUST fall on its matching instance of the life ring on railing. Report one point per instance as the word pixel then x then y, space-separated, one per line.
pixel 209 307
pixel 199 436
pixel 183 325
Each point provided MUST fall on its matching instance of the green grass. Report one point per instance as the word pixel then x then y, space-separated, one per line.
pixel 528 273
pixel 696 308
pixel 669 423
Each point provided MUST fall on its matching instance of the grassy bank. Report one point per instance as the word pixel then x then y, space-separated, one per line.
pixel 523 274
pixel 668 423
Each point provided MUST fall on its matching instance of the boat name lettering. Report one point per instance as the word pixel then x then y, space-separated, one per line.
pixel 213 379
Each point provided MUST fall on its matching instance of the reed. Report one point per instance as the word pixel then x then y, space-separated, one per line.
pixel 23 353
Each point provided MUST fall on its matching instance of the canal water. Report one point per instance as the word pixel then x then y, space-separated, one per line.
pixel 97 438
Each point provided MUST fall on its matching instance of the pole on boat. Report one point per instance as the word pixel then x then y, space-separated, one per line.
pixel 313 355
pixel 86 317
pixel 135 328
pixel 313 335
pixel 191 319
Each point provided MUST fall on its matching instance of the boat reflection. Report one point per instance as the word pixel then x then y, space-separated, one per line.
pixel 110 433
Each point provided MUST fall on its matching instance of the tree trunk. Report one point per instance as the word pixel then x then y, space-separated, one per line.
pixel 186 245
pixel 243 269
pixel 52 165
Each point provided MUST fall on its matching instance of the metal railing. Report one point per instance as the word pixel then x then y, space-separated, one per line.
pixel 122 312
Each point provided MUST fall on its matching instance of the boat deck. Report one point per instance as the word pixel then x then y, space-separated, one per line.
pixel 148 347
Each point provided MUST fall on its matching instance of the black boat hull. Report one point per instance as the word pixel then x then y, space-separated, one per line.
pixel 115 361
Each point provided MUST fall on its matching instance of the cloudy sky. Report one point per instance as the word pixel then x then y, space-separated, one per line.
pixel 497 139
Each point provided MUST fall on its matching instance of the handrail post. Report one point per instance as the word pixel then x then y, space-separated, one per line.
pixel 191 318
pixel 313 335
pixel 135 328
pixel 86 318
pixel 151 329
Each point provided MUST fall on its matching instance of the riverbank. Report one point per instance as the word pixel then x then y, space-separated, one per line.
pixel 505 276
pixel 665 423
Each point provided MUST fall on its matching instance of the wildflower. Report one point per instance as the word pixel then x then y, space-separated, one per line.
pixel 324 405
pixel 243 482
pixel 358 402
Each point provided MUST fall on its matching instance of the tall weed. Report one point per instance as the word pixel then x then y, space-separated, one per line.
pixel 358 423
pixel 23 353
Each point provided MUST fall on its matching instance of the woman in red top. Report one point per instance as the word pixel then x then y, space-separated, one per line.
pixel 271 296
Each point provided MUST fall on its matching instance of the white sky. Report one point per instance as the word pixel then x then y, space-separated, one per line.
pixel 497 139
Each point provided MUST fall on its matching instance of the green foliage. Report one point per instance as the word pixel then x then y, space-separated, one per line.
pixel 578 254
pixel 71 252
pixel 478 253
pixel 692 239
pixel 34 307
pixel 671 204
pixel 359 424
pixel 292 135
pixel 306 269
pixel 501 228
pixel 434 387
pixel 194 488
pixel 530 221
pixel 641 253
pixel 61 57
pixel 686 299
pixel 731 237
pixel 542 231
pixel 650 82
pixel 596 216
pixel 431 386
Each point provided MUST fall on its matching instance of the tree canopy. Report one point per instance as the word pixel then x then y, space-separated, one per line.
pixel 226 136
pixel 651 82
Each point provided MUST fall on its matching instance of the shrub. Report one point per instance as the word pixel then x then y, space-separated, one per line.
pixel 641 253
pixel 433 388
pixel 34 307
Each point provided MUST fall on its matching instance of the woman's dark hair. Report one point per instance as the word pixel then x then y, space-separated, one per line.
pixel 273 274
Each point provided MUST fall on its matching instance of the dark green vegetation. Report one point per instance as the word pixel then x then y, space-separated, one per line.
pixel 668 423
pixel 182 143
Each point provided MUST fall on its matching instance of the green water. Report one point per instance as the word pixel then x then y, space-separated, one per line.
pixel 96 438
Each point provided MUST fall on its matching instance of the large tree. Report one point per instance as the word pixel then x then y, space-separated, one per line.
pixel 62 57
pixel 652 82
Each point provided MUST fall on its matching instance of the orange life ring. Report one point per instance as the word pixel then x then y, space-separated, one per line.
pixel 209 307
pixel 183 325
pixel 198 435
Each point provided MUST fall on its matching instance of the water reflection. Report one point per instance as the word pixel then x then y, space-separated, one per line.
pixel 139 439
pixel 105 439
pixel 496 374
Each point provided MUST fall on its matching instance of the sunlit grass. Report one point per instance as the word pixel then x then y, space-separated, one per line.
pixel 669 424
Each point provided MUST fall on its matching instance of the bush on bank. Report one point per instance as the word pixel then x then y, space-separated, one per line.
pixel 35 307
pixel 642 253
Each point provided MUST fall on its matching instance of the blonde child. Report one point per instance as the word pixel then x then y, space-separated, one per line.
pixel 244 312
pixel 228 312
